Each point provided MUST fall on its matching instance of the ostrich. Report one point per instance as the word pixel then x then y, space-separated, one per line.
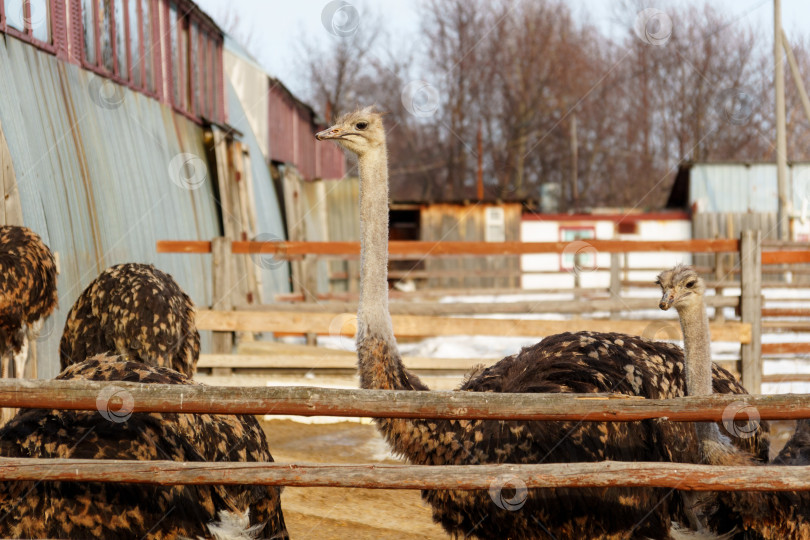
pixel 108 510
pixel 583 362
pixel 137 311
pixel 746 515
pixel 27 293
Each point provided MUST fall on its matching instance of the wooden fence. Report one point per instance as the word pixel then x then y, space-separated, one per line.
pixel 415 320
pixel 83 395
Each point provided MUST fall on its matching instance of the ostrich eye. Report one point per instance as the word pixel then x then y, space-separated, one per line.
pixel 361 125
pixel 691 284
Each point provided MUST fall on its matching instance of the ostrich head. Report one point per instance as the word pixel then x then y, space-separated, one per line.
pixel 682 287
pixel 359 131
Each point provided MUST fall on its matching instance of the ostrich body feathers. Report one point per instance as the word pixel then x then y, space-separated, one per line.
pixel 137 311
pixel 108 510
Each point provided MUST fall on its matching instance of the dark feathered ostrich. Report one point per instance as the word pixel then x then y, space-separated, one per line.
pixel 27 293
pixel 95 510
pixel 582 362
pixel 141 313
pixel 743 515
pixel 137 311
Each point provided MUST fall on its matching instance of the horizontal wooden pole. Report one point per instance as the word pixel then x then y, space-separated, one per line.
pixel 469 308
pixel 786 312
pixel 783 257
pixel 785 348
pixel 786 377
pixel 344 324
pixel 683 476
pixel 313 401
pixel 284 249
pixel 336 361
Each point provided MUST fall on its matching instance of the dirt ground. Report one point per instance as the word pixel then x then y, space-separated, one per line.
pixel 363 514
pixel 341 513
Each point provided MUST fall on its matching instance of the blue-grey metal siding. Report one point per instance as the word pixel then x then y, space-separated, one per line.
pixel 731 187
pixel 92 168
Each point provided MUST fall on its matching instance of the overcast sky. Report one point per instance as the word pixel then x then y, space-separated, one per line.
pixel 278 24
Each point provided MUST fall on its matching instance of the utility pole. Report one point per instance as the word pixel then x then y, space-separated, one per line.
pixel 574 162
pixel 783 188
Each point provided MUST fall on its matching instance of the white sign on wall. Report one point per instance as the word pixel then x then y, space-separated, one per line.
pixel 494 224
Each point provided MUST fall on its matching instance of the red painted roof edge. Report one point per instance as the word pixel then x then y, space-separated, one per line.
pixel 647 216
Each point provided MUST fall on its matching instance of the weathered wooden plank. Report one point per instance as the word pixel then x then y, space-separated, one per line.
pixel 420 326
pixel 338 361
pixel 785 348
pixel 681 476
pixel 312 401
pixel 222 270
pixel 785 312
pixel 437 249
pixel 782 257
pixel 751 308
pixel 461 308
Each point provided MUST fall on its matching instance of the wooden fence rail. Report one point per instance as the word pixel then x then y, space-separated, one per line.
pixel 683 476
pixel 343 324
pixel 284 249
pixel 313 401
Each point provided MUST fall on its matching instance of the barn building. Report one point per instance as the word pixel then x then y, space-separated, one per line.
pixel 122 124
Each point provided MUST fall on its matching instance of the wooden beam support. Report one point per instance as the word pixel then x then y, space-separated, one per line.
pixel 608 474
pixel 344 324
pixel 751 308
pixel 314 401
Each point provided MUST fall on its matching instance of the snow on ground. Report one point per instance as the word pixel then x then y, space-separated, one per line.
pixel 497 347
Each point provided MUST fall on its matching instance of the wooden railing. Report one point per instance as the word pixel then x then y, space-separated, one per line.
pixel 83 395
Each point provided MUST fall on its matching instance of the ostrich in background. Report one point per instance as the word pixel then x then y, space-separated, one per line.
pixel 745 515
pixel 583 362
pixel 137 311
pixel 108 510
pixel 27 294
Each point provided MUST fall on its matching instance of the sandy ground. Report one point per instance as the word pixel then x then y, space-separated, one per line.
pixel 363 514
pixel 341 513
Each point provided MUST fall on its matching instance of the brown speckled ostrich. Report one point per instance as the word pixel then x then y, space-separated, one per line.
pixel 583 362
pixel 743 515
pixel 96 510
pixel 27 293
pixel 137 311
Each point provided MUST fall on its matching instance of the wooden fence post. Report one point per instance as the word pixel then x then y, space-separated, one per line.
pixel 615 279
pixel 221 261
pixel 751 308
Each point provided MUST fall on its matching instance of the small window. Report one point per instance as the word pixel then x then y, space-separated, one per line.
pixel 121 44
pixel 135 26
pixel 38 19
pixel 149 45
pixel 89 34
pixel 174 67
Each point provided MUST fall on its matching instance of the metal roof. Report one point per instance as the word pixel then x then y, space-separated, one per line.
pixel 97 171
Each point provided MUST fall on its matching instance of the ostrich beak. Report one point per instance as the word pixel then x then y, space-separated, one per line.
pixel 333 132
pixel 667 300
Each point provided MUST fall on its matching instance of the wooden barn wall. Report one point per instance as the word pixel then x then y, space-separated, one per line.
pixel 98 178
pixel 343 219
pixel 275 274
pixel 453 222
pixel 730 225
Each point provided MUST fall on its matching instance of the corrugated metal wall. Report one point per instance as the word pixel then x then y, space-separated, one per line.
pixel 736 187
pixel 100 178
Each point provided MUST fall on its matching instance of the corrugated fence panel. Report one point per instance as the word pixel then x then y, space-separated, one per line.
pixel 100 174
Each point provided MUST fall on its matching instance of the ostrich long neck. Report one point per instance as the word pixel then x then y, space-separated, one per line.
pixel 378 355
pixel 696 344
